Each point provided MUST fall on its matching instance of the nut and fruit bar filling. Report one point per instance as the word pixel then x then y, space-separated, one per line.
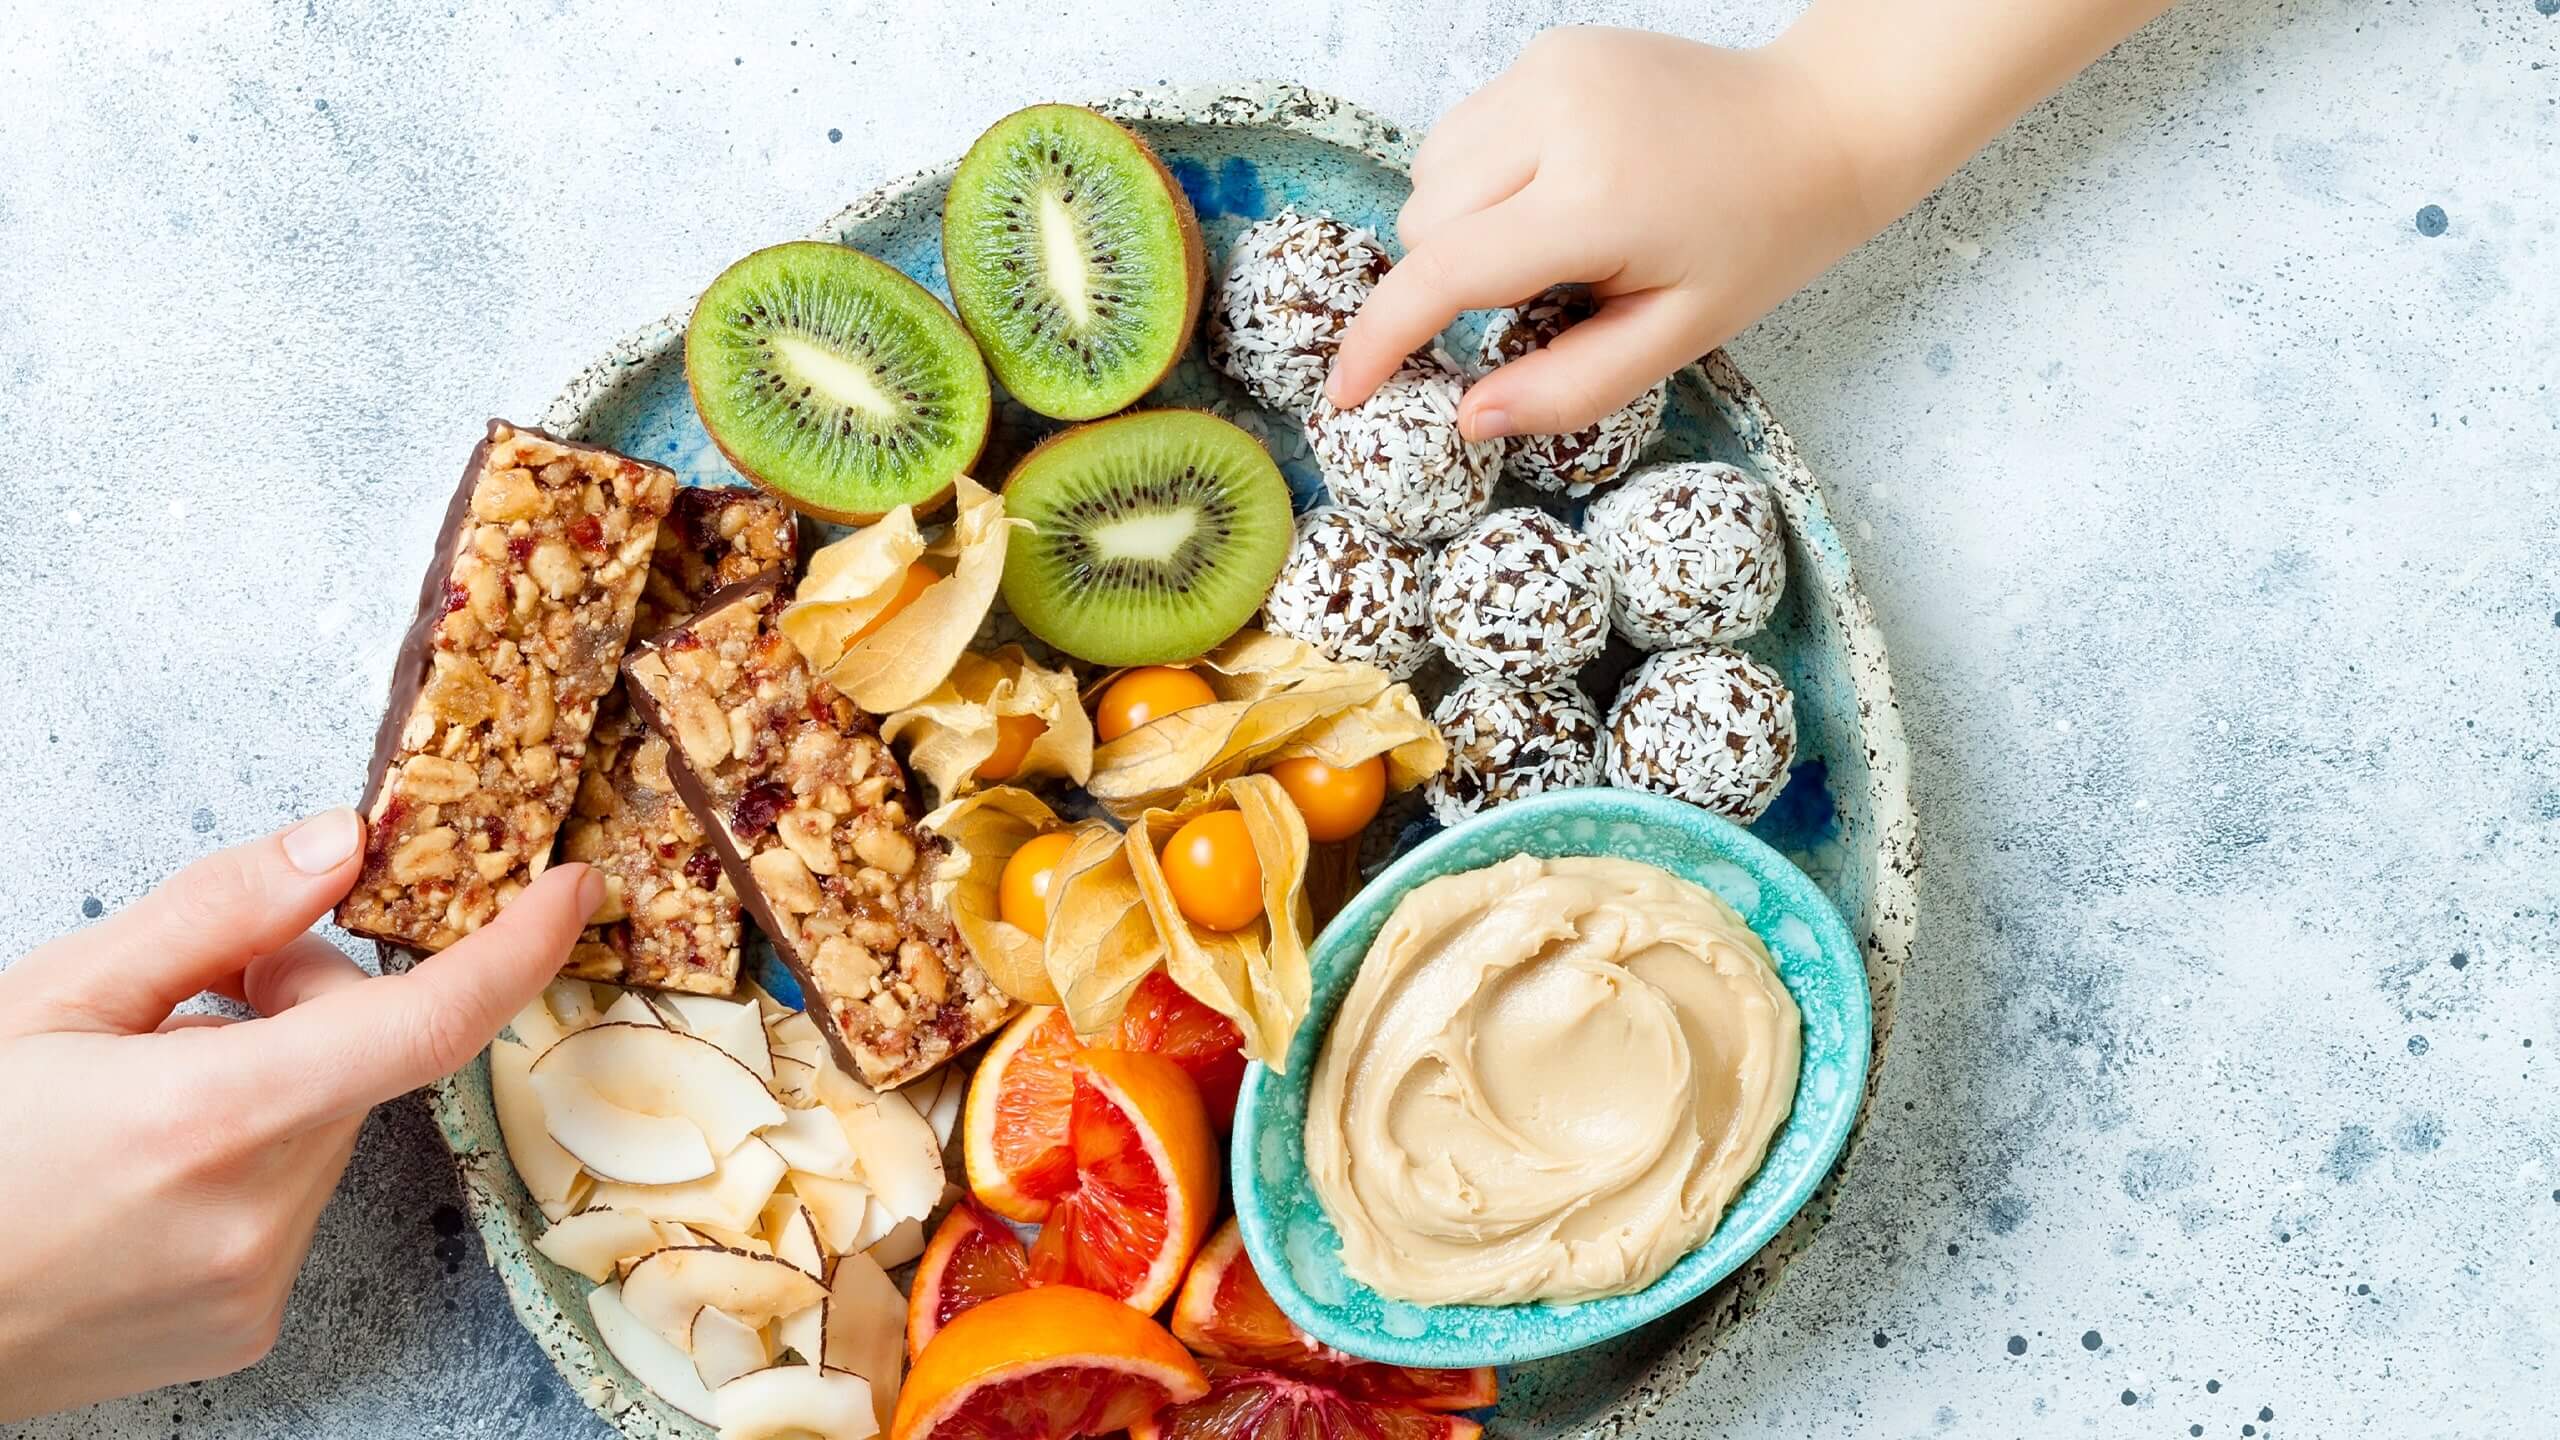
pixel 522 619
pixel 670 919
pixel 809 812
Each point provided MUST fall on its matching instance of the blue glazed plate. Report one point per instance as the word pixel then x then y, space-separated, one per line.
pixel 1242 152
pixel 1294 1245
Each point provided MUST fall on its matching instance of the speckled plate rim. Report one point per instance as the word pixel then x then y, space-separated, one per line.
pixel 1884 923
pixel 1837 1023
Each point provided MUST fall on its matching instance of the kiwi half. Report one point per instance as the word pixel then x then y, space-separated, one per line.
pixel 1155 536
pixel 1074 258
pixel 835 382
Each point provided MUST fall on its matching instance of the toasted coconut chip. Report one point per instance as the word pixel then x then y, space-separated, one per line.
pixel 984 830
pixel 850 582
pixel 618 1144
pixel 667 1289
pixel 595 1242
pixel 797 1400
pixel 841 1210
pixel 573 1003
pixel 903 1243
pixel 535 1027
pixel 867 1328
pixel 813 1141
pixel 652 1359
pixel 951 732
pixel 893 1147
pixel 1256 976
pixel 724 1349
pixel 550 1173
pixel 795 1238
pixel 1273 691
pixel 630 1007
pixel 731 1197
pixel 658 1071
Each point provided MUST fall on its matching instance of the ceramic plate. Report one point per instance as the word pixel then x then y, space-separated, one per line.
pixel 1243 153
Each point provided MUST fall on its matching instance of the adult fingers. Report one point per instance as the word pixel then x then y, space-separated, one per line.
pixel 1492 257
pixel 338 1054
pixel 128 971
pixel 307 968
pixel 1589 370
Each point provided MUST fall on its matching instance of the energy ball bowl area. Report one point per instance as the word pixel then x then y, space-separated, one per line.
pixel 1293 1243
pixel 1845 818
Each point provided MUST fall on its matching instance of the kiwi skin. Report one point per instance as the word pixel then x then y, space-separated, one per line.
pixel 1139 653
pixel 1195 259
pixel 928 505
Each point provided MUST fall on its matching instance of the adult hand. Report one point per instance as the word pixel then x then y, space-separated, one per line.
pixel 160 1177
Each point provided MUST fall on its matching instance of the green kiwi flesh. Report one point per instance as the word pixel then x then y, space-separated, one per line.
pixel 835 382
pixel 1074 258
pixel 1155 536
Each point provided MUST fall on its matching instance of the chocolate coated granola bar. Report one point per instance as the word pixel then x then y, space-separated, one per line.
pixel 524 614
pixel 670 917
pixel 808 810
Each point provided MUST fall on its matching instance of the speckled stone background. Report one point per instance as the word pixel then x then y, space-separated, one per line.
pixel 2198 445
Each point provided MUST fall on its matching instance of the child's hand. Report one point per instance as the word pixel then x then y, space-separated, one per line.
pixel 1691 187
pixel 160 1177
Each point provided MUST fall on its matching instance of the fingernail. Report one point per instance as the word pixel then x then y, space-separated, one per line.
pixel 323 842
pixel 590 892
pixel 1491 425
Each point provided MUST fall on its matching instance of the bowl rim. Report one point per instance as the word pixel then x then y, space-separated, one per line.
pixel 1337 958
pixel 1885 922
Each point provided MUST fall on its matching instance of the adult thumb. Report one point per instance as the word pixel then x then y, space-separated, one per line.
pixel 352 1048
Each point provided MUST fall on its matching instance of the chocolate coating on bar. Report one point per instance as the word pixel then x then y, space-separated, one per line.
pixel 807 810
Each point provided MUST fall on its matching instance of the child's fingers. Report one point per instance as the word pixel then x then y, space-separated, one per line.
pixel 1588 371
pixel 355 1045
pixel 128 971
pixel 1492 257
pixel 1459 192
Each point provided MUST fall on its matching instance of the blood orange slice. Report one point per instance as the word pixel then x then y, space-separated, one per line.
pixel 1224 1313
pixel 1016 1133
pixel 1043 1364
pixel 1146 1180
pixel 974 1258
pixel 1249 1404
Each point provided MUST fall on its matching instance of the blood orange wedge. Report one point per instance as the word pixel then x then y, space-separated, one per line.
pixel 1146 1181
pixel 1249 1404
pixel 1224 1313
pixel 1043 1365
pixel 1016 1133
pixel 974 1258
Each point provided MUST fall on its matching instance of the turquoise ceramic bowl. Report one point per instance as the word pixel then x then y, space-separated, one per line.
pixel 1293 1243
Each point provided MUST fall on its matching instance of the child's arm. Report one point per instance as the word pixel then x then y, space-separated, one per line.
pixel 1692 187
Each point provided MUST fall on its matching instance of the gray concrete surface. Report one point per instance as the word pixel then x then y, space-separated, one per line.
pixel 2208 500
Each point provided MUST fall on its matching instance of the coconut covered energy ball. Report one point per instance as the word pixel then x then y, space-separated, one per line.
pixel 1694 554
pixel 1291 284
pixel 1709 725
pixel 1589 458
pixel 1520 595
pixel 1508 741
pixel 1355 592
pixel 1398 460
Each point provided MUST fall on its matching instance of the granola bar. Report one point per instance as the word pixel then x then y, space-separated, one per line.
pixel 670 919
pixel 521 621
pixel 808 810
